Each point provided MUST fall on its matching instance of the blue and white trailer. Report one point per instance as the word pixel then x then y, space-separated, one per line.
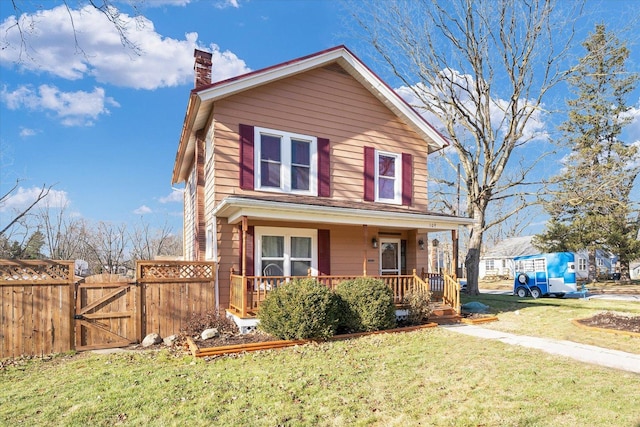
pixel 545 274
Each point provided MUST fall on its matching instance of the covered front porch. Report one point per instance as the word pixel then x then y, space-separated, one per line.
pixel 272 242
pixel 248 292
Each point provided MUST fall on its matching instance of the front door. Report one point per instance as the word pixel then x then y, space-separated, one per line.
pixel 390 257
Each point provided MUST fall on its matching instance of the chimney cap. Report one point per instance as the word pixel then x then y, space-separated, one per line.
pixel 201 54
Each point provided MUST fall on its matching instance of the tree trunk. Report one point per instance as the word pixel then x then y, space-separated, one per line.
pixel 593 273
pixel 472 260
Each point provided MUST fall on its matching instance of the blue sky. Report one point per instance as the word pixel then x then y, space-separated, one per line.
pixel 102 123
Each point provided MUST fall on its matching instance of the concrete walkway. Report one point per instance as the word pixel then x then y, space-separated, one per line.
pixel 582 352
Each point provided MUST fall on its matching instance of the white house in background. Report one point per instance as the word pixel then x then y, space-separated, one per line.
pixel 634 270
pixel 497 262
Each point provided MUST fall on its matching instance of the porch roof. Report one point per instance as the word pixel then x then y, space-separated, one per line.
pixel 329 211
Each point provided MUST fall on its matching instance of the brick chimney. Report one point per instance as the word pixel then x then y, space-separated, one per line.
pixel 202 68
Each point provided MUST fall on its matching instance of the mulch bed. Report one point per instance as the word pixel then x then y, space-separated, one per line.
pixel 613 321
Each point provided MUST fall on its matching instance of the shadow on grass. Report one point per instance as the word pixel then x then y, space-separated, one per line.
pixel 505 303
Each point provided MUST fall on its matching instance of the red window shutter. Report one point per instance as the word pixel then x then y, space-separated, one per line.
pixel 324 253
pixel 407 179
pixel 246 157
pixel 369 174
pixel 324 169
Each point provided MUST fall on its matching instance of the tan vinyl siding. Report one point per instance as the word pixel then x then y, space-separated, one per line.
pixel 320 103
pixel 349 248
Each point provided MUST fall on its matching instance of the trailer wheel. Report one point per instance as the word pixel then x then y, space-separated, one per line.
pixel 521 292
pixel 523 279
pixel 535 292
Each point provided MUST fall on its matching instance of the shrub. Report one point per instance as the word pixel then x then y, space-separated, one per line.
pixel 417 302
pixel 300 309
pixel 366 305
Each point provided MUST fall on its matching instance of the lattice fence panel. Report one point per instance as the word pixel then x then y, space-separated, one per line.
pixel 175 271
pixel 36 271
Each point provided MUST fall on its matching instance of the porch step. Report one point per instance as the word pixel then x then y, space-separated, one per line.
pixel 444 315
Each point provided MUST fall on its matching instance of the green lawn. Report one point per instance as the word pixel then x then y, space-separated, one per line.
pixel 429 377
pixel 551 318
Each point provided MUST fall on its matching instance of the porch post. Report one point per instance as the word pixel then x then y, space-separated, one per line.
pixel 454 255
pixel 244 245
pixel 244 266
pixel 364 249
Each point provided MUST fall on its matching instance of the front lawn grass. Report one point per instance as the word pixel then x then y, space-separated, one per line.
pixel 429 377
pixel 551 318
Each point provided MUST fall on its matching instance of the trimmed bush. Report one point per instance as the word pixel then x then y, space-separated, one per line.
pixel 300 309
pixel 417 302
pixel 366 305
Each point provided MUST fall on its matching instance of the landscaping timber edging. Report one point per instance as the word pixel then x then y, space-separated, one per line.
pixel 270 345
pixel 479 320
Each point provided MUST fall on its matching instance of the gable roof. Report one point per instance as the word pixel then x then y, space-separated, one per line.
pixel 202 99
pixel 511 248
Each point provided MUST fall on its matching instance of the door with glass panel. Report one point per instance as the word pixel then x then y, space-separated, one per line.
pixel 390 257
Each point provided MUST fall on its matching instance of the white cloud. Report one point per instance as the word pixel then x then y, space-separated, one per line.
pixel 631 132
pixel 142 210
pixel 223 4
pixel 50 40
pixel 174 196
pixel 159 3
pixel 27 132
pixel 22 198
pixel 72 108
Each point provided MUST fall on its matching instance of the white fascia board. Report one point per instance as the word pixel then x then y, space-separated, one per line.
pixel 234 209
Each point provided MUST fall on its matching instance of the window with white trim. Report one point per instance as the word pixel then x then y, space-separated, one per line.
pixel 285 162
pixel 286 251
pixel 582 264
pixel 388 178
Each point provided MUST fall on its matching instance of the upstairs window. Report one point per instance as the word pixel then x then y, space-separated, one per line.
pixel 388 177
pixel 285 162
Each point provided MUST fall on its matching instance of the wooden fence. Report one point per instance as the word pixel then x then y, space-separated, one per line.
pixel 37 299
pixel 44 309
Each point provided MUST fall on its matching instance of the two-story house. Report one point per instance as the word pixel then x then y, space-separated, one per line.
pixel 313 166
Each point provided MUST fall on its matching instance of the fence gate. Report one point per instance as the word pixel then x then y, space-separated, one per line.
pixel 106 312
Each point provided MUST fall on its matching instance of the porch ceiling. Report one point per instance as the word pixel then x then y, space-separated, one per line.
pixel 236 207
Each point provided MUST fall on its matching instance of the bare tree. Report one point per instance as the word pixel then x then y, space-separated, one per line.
pixel 105 7
pixel 64 234
pixel 106 248
pixel 482 69
pixel 20 214
pixel 149 243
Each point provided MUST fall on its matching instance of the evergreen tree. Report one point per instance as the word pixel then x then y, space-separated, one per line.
pixel 591 207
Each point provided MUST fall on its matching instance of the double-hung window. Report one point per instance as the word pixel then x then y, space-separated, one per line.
pixel 388 178
pixel 582 264
pixel 286 252
pixel 285 162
